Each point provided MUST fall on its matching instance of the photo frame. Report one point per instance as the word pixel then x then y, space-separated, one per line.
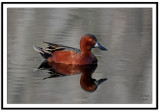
pixel 153 5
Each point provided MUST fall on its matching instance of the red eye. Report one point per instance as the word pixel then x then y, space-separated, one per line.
pixel 90 39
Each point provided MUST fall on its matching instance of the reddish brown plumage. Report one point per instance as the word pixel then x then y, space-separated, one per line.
pixel 71 57
pixel 68 55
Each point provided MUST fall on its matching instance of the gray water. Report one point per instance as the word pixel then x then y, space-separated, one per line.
pixel 127 65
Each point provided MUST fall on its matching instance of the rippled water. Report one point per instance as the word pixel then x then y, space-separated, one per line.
pixel 125 69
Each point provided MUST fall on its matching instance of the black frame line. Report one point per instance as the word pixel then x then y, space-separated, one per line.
pixel 79 2
pixel 87 108
pixel 1 55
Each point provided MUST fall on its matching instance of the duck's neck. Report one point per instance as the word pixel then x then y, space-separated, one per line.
pixel 86 51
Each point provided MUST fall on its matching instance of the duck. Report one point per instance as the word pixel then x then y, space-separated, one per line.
pixel 68 55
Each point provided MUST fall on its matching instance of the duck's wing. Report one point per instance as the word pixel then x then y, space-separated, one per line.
pixel 55 47
pixel 47 52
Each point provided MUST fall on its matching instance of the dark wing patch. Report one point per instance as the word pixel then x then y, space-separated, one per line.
pixel 47 52
pixel 56 47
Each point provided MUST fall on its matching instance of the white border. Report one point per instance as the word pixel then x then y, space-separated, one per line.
pixel 153 6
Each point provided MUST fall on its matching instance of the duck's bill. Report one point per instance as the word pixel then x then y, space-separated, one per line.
pixel 100 46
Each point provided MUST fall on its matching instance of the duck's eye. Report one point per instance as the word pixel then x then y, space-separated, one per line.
pixel 90 39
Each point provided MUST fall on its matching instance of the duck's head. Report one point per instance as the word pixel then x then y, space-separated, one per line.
pixel 88 42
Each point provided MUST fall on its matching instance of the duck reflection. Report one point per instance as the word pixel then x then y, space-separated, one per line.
pixel 60 70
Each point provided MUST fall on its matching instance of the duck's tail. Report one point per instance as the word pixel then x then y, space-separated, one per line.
pixel 44 52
